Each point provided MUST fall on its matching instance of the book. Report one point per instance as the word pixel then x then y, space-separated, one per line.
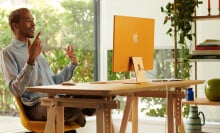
pixel 204 57
pixel 216 47
pixel 206 52
pixel 209 44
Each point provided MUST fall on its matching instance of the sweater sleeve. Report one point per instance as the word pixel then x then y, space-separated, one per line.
pixel 16 79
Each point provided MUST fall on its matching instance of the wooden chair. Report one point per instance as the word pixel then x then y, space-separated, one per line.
pixel 36 126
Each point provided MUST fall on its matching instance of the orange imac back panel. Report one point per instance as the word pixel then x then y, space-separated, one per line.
pixel 133 37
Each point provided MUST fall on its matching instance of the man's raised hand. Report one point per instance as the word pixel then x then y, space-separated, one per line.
pixel 34 49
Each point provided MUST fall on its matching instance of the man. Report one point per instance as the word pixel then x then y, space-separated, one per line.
pixel 22 65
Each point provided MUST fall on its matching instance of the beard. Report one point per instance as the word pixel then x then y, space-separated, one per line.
pixel 30 35
pixel 27 32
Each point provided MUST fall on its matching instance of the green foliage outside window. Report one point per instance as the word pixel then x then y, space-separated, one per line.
pixel 72 24
pixel 5 38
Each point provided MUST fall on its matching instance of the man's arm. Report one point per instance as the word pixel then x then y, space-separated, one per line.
pixel 67 72
pixel 16 81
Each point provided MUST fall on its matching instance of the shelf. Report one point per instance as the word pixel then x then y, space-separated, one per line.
pixel 201 101
pixel 206 53
pixel 211 17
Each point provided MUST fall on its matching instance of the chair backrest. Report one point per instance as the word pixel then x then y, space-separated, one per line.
pixel 34 126
pixel 20 108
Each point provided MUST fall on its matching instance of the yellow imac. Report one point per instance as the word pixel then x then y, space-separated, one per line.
pixel 133 45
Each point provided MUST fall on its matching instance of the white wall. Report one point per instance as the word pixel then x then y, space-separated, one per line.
pixel 151 9
pixel 136 8
pixel 208 29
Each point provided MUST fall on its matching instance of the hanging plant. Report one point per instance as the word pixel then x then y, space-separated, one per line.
pixel 180 15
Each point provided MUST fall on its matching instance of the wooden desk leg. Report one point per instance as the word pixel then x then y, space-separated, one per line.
pixel 108 121
pixel 100 120
pixel 135 115
pixel 178 113
pixel 107 117
pixel 59 119
pixel 126 114
pixel 50 124
pixel 170 122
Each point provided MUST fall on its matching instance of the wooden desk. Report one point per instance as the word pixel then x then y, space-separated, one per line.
pixel 104 106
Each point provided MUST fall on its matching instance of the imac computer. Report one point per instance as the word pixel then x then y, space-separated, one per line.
pixel 133 45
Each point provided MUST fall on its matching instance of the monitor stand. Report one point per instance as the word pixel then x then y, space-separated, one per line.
pixel 139 69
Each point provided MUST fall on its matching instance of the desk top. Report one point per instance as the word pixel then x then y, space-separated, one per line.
pixel 112 87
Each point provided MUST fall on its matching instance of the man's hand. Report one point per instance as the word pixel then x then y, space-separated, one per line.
pixel 70 53
pixel 34 49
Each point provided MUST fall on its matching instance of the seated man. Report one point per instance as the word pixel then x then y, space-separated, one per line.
pixel 22 65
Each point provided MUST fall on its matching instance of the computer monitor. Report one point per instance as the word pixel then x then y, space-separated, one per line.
pixel 133 37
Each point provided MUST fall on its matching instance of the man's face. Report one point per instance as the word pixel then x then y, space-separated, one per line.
pixel 26 26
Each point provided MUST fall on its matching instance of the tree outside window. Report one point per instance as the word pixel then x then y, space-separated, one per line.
pixel 62 23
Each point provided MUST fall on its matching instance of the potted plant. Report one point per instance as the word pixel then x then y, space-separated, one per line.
pixel 180 14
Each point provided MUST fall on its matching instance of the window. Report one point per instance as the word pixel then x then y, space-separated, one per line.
pixel 163 68
pixel 62 23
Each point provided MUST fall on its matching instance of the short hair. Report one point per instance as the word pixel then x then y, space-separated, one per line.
pixel 15 16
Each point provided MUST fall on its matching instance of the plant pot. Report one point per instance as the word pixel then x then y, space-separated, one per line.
pixel 212 89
